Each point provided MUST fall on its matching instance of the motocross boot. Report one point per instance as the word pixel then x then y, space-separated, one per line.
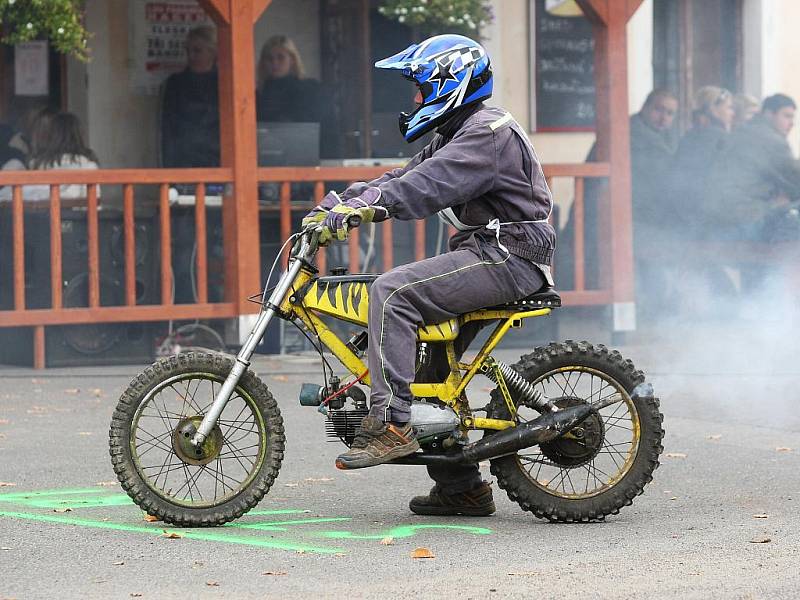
pixel 476 502
pixel 377 442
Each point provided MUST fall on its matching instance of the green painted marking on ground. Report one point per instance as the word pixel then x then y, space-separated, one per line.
pixel 80 498
pixel 277 525
pixel 209 536
pixel 402 531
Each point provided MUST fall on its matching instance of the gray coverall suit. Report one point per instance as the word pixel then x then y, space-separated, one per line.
pixel 480 164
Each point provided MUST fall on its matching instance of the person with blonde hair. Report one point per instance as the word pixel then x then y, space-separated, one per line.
pixel 712 119
pixel 190 106
pixel 284 93
pixel 713 106
pixel 745 107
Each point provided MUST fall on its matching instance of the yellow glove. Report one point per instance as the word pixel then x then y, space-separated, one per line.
pixel 336 225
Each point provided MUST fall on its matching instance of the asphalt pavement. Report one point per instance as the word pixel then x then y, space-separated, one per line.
pixel 720 519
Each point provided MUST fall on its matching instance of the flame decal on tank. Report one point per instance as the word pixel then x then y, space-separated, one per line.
pixel 349 301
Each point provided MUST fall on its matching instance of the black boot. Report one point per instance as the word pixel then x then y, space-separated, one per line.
pixel 477 502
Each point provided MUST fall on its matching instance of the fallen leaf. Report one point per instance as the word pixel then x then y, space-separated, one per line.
pixel 782 449
pixel 422 553
pixel 761 540
pixel 62 510
pixel 675 455
pixel 151 518
pixel 318 480
pixel 291 484
pixel 387 541
pixel 275 573
pixel 7 484
pixel 212 584
pixel 171 535
pixel 715 436
pixel 119 563
pixel 761 516
pixel 106 483
pixel 72 391
pixel 280 378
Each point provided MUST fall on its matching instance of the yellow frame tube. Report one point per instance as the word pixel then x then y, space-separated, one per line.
pixel 453 387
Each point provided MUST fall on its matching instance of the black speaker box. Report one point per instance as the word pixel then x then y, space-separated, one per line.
pixel 87 344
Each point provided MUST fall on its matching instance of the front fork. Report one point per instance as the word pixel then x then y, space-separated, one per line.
pixel 243 358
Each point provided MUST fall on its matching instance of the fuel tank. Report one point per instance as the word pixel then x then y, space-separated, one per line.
pixel 346 297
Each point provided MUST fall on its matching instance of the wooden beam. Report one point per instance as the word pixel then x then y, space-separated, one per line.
pixel 617 144
pixel 219 10
pixel 595 10
pixel 259 6
pixel 633 6
pixel 237 99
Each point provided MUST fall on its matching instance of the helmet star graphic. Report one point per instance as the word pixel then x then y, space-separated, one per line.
pixel 443 71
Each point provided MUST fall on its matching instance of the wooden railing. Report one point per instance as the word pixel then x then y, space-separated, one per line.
pixel 16 312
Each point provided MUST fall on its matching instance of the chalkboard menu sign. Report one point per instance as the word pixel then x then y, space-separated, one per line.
pixel 564 67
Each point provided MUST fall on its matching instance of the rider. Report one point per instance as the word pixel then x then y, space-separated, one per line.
pixel 481 174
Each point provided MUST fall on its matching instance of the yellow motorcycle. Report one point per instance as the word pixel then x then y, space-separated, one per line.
pixel 572 431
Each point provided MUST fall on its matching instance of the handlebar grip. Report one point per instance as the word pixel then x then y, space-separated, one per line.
pixel 354 220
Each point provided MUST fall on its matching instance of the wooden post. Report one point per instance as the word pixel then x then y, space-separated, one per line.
pixel 610 19
pixel 236 66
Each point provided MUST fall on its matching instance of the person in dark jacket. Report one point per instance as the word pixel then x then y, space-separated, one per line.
pixel 754 186
pixel 190 106
pixel 712 120
pixel 481 174
pixel 653 143
pixel 284 92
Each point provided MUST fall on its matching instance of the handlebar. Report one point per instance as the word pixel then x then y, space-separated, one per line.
pixel 353 220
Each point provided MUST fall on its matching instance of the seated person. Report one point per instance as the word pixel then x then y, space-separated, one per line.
pixel 284 94
pixel 56 143
pixel 755 183
pixel 190 106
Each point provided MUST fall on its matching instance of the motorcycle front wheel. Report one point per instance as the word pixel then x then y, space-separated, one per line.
pixel 168 477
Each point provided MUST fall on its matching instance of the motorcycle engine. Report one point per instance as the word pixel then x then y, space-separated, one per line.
pixel 431 422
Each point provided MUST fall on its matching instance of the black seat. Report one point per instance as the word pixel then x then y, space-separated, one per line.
pixel 546 297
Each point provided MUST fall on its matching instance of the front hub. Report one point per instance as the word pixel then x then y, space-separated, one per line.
pixel 201 454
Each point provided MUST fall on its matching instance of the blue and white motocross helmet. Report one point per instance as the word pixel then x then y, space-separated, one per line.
pixel 450 70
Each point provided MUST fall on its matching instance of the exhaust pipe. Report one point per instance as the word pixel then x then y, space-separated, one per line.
pixel 544 428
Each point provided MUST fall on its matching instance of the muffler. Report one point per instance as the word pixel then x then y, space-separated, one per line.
pixel 543 429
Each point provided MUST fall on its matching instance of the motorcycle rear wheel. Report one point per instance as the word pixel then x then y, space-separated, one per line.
pixel 151 429
pixel 605 462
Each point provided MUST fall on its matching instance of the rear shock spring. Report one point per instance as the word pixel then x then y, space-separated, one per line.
pixel 528 395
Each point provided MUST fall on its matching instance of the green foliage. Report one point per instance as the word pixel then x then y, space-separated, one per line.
pixel 440 16
pixel 60 21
